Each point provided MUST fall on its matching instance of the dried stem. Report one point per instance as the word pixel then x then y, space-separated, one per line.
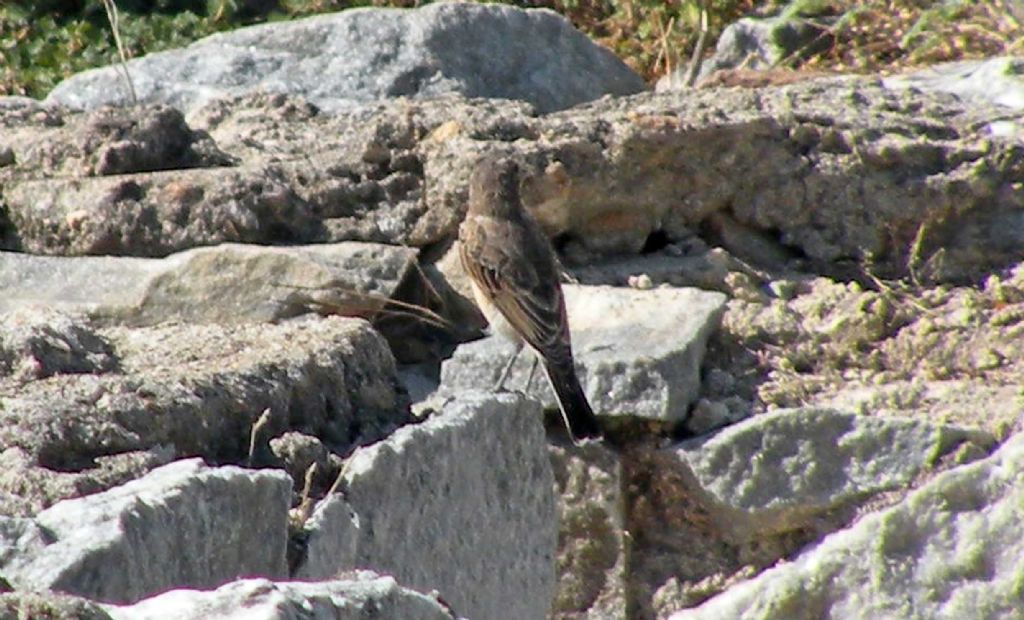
pixel 115 27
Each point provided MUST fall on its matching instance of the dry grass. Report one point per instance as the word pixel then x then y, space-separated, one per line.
pixel 883 35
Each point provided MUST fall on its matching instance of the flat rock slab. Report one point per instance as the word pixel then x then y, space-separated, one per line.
pixel 992 80
pixel 226 284
pixel 365 54
pixel 779 471
pixel 359 596
pixel 462 503
pixel 182 525
pixel 952 549
pixel 638 353
pixel 182 390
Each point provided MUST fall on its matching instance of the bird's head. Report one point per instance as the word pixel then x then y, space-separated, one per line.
pixel 494 187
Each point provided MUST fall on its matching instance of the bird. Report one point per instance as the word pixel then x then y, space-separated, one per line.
pixel 515 280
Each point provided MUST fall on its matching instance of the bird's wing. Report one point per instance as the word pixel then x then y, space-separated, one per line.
pixel 523 288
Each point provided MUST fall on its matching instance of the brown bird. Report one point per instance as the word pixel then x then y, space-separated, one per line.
pixel 515 280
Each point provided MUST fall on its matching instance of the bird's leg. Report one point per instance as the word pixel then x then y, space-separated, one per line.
pixel 500 386
pixel 529 377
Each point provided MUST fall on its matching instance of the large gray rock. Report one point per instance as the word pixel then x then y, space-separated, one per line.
pixel 760 490
pixel 182 525
pixel 182 390
pixel 997 80
pixel 778 471
pixel 363 54
pixel 462 503
pixel 951 549
pixel 226 284
pixel 362 595
pixel 638 353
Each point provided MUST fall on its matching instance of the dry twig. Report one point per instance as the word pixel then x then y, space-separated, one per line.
pixel 115 27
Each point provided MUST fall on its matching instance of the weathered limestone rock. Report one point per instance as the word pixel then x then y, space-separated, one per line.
pixel 704 268
pixel 638 353
pixel 182 390
pixel 157 213
pixel 855 178
pixel 761 489
pixel 780 470
pixel 49 605
pixel 41 343
pixel 298 452
pixel 940 354
pixel 184 524
pixel 112 142
pixel 592 538
pixel 997 80
pixel 840 173
pixel 462 503
pixel 362 595
pixel 365 54
pixel 951 549
pixel 225 284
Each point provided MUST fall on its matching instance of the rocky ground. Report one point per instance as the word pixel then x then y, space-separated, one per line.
pixel 236 348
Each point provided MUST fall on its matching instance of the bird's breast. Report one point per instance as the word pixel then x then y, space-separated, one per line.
pixel 494 316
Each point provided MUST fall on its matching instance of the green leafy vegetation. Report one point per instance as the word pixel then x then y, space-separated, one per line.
pixel 44 41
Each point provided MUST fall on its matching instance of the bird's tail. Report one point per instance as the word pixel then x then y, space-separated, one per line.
pixel 576 412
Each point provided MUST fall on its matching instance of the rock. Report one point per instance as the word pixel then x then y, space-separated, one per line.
pixel 298 452
pixel 7 157
pixel 334 534
pixel 362 595
pixel 706 270
pixel 931 353
pixel 759 43
pixel 38 344
pixel 748 243
pixel 282 191
pixel 156 214
pixel 26 488
pixel 183 524
pixel 638 353
pixel 462 503
pixel 475 51
pixel 226 284
pixel 49 605
pixel 778 471
pixel 937 400
pixel 951 549
pixel 758 491
pixel 998 80
pixel 815 168
pixel 593 543
pixel 194 390
pixel 709 415
pixel 112 141
pixel 418 382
